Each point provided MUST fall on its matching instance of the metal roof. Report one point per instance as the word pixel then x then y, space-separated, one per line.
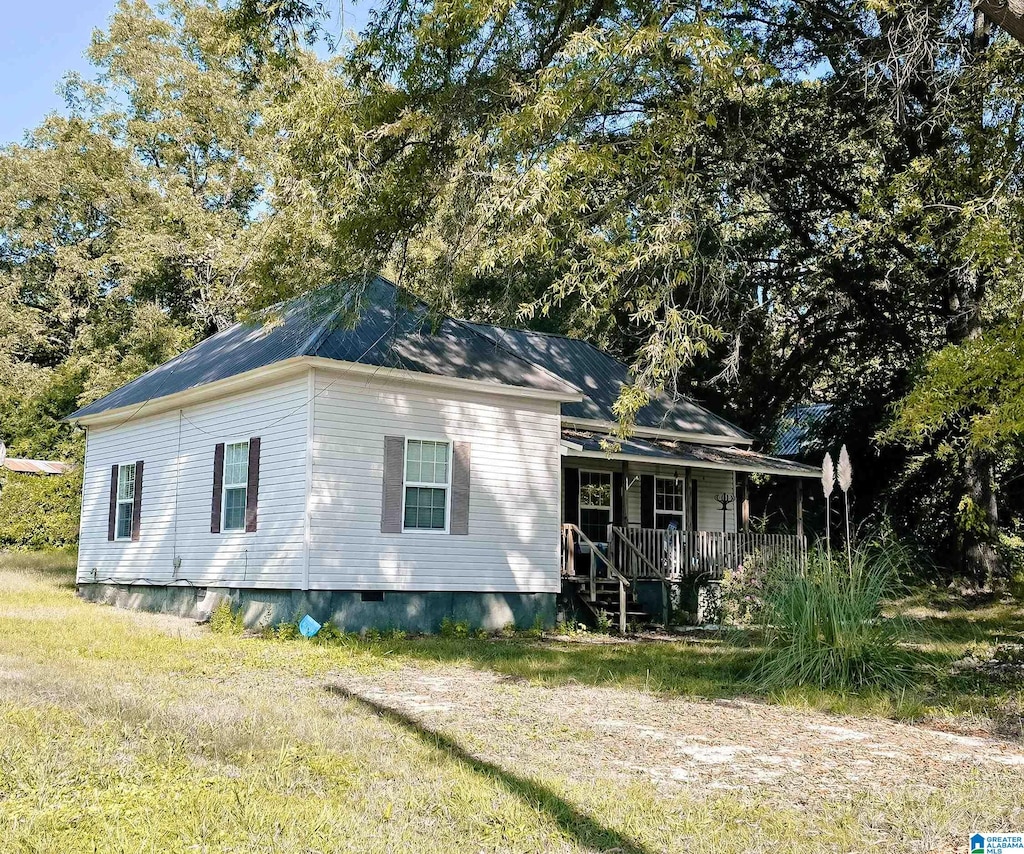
pixel 797 432
pixel 601 377
pixel 386 333
pixel 685 454
pixel 25 466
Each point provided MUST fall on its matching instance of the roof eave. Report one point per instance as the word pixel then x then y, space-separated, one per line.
pixel 296 365
pixel 741 438
pixel 748 468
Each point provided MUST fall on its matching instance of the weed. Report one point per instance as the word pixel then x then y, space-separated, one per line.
pixel 454 628
pixel 226 620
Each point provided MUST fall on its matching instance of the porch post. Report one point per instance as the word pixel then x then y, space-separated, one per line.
pixel 800 509
pixel 622 495
pixel 745 512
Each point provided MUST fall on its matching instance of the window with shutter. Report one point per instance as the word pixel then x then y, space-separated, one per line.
pixel 427 485
pixel 236 480
pixel 235 486
pixel 124 519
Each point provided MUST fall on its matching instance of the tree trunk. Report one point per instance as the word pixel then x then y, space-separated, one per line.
pixel 980 554
pixel 980 557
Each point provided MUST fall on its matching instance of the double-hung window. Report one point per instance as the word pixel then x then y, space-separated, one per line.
pixel 125 518
pixel 427 483
pixel 668 502
pixel 236 486
pixel 595 504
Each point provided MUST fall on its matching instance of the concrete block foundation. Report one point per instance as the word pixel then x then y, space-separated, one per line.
pixel 349 610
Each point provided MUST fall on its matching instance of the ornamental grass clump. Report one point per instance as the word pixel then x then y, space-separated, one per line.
pixel 823 625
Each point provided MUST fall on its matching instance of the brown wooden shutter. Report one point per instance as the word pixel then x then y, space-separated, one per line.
pixel 694 508
pixel 618 498
pixel 571 495
pixel 647 501
pixel 461 453
pixel 137 502
pixel 394 480
pixel 112 517
pixel 218 487
pixel 252 492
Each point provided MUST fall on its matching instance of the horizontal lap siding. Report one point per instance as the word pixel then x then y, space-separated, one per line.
pixel 513 537
pixel 272 556
pixel 709 513
pixel 710 482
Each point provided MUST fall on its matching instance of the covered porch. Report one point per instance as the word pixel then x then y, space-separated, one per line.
pixel 645 510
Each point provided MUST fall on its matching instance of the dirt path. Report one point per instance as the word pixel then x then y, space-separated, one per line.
pixel 796 755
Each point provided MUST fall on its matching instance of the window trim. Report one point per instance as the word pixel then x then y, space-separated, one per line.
pixel 129 502
pixel 419 484
pixel 610 507
pixel 676 514
pixel 225 486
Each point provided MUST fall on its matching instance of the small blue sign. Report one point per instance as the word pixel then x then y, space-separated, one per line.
pixel 308 626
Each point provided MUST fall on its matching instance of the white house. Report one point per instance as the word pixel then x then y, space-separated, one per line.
pixel 390 473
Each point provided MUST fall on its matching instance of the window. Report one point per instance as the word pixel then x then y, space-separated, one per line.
pixel 236 486
pixel 427 478
pixel 668 502
pixel 125 501
pixel 595 504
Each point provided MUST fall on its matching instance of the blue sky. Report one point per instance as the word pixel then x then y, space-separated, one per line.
pixel 42 40
pixel 39 43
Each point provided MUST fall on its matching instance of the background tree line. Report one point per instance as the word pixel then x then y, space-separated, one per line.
pixel 756 203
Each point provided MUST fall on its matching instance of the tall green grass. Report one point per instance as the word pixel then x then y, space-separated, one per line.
pixel 823 624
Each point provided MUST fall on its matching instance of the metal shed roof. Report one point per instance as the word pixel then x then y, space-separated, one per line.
pixel 798 430
pixel 26 466
pixel 601 377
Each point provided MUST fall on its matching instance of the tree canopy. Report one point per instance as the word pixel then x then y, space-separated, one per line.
pixel 756 203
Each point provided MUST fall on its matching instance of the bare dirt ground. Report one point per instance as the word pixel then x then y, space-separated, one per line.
pixel 795 755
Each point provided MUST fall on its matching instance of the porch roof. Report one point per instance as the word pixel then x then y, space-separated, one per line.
pixel 581 443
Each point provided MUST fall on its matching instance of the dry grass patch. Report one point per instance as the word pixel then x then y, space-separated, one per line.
pixel 132 732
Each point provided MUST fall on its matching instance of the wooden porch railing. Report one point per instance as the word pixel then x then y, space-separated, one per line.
pixel 674 555
pixel 571 535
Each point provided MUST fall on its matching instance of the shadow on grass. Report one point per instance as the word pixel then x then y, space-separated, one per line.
pixel 584 829
pixel 697 668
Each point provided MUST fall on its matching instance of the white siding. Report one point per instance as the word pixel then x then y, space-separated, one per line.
pixel 710 482
pixel 514 513
pixel 177 493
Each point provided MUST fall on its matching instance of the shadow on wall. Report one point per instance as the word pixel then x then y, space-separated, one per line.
pixel 573 822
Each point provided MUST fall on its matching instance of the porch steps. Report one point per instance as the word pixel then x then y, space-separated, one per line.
pixel 607 593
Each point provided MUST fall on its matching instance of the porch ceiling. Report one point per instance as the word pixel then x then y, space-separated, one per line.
pixel 581 443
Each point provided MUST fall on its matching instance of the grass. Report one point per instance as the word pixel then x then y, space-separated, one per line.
pixel 130 732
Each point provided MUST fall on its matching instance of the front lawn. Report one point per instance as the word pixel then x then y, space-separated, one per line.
pixel 132 732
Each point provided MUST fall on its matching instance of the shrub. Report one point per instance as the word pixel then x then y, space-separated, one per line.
pixel 329 634
pixel 38 512
pixel 287 631
pixel 454 629
pixel 226 620
pixel 824 626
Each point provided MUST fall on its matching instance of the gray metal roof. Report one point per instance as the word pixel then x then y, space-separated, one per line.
pixel 797 432
pixel 387 333
pixel 687 454
pixel 601 377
